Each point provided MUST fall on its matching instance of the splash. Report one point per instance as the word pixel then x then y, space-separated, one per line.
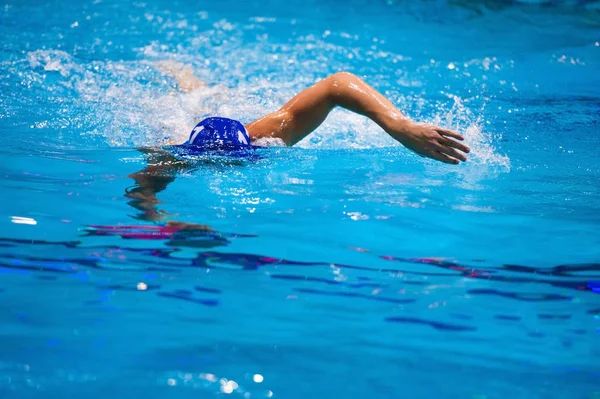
pixel 54 61
pixel 131 103
pixel 483 151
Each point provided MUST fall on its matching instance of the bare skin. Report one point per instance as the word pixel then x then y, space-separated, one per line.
pixel 294 121
pixel 186 80
pixel 152 179
pixel 309 109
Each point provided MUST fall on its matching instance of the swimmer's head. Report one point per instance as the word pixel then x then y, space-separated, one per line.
pixel 219 134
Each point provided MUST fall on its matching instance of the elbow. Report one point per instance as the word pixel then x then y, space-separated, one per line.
pixel 339 82
pixel 341 79
pixel 343 76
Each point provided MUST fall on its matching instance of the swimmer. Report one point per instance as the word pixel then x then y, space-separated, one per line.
pixel 308 110
pixel 291 123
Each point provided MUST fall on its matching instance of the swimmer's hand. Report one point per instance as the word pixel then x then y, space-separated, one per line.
pixel 429 140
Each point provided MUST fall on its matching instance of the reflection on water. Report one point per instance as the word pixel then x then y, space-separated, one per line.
pixel 169 267
pixel 85 255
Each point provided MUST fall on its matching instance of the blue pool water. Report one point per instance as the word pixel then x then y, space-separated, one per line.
pixel 343 267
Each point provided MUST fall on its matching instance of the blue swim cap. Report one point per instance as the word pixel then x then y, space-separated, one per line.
pixel 219 134
pixel 216 137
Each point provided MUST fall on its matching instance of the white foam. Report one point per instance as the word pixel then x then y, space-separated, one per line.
pixel 462 119
pixel 131 103
pixel 269 142
pixel 53 61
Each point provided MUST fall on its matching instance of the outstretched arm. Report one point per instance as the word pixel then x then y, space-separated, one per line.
pixel 307 110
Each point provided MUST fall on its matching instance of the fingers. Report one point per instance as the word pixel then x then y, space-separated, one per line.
pixel 454 154
pixel 438 156
pixel 455 144
pixel 449 133
pixel 451 152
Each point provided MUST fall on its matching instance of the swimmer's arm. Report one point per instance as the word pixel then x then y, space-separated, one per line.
pixel 307 110
pixel 154 178
pixel 183 74
pixel 143 195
